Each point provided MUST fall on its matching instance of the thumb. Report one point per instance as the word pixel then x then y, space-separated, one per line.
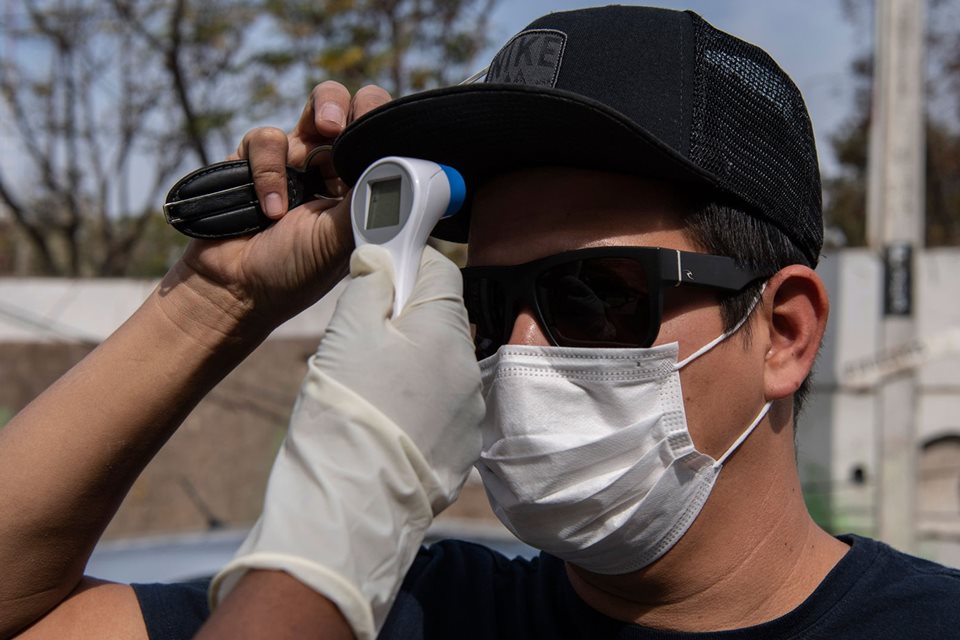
pixel 370 258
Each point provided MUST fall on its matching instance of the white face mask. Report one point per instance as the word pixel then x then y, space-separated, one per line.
pixel 586 452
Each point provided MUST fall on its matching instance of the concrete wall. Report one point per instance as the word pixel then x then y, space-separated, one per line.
pixel 56 310
pixel 216 464
pixel 838 433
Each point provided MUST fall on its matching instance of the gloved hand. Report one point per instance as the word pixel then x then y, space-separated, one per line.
pixel 382 438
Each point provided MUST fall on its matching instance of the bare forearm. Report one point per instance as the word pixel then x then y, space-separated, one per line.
pixel 272 604
pixel 68 459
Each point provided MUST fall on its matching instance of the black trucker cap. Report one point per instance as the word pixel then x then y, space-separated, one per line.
pixel 653 92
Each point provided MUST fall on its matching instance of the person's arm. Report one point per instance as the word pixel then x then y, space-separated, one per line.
pixel 68 459
pixel 274 604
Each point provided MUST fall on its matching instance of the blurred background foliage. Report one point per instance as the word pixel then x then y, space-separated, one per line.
pixel 111 100
pixel 845 192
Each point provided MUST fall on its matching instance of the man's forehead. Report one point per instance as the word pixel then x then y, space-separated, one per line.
pixel 525 215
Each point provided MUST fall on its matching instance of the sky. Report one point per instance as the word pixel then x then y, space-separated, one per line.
pixel 811 40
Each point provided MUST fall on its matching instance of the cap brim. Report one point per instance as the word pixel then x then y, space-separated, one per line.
pixel 486 129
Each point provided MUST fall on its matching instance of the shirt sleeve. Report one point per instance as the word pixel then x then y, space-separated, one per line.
pixel 173 611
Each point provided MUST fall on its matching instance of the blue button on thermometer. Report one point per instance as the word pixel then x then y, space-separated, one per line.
pixel 396 204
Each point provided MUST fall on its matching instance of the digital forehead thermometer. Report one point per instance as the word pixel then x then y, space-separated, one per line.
pixel 396 204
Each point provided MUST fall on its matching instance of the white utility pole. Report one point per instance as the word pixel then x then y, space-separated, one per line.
pixel 895 226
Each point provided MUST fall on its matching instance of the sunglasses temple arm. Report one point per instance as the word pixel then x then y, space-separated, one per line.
pixel 685 267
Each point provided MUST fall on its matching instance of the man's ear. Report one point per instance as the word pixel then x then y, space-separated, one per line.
pixel 797 310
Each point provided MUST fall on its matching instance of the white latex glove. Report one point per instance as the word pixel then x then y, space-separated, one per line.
pixel 383 435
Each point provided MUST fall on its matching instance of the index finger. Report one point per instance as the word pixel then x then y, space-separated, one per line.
pixel 330 101
pixel 323 118
pixel 367 99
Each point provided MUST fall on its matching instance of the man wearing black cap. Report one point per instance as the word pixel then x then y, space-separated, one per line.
pixel 643 230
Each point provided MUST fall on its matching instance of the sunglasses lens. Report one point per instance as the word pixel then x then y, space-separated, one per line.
pixel 596 302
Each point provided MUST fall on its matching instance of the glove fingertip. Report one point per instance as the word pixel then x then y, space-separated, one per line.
pixel 371 258
pixel 371 291
pixel 438 271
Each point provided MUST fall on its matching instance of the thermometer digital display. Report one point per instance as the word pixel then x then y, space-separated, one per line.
pixel 384 204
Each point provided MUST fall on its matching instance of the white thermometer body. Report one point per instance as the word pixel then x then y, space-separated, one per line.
pixel 396 204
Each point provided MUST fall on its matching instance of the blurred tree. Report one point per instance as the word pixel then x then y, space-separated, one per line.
pixel 403 45
pixel 111 99
pixel 846 191
pixel 108 99
pixel 159 247
pixel 8 252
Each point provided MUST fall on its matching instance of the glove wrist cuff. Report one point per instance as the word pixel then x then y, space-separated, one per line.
pixel 332 585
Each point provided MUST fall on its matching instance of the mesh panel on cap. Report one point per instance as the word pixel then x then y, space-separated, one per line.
pixel 752 131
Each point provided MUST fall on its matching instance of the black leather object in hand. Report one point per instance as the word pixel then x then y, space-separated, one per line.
pixel 219 200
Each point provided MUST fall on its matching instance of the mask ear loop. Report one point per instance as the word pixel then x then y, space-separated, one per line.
pixel 723 336
pixel 743 436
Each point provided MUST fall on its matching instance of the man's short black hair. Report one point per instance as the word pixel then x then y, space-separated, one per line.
pixel 721 228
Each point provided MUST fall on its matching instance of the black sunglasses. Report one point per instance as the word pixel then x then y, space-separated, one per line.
pixel 602 297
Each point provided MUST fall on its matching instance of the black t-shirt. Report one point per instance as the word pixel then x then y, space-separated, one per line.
pixel 465 591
